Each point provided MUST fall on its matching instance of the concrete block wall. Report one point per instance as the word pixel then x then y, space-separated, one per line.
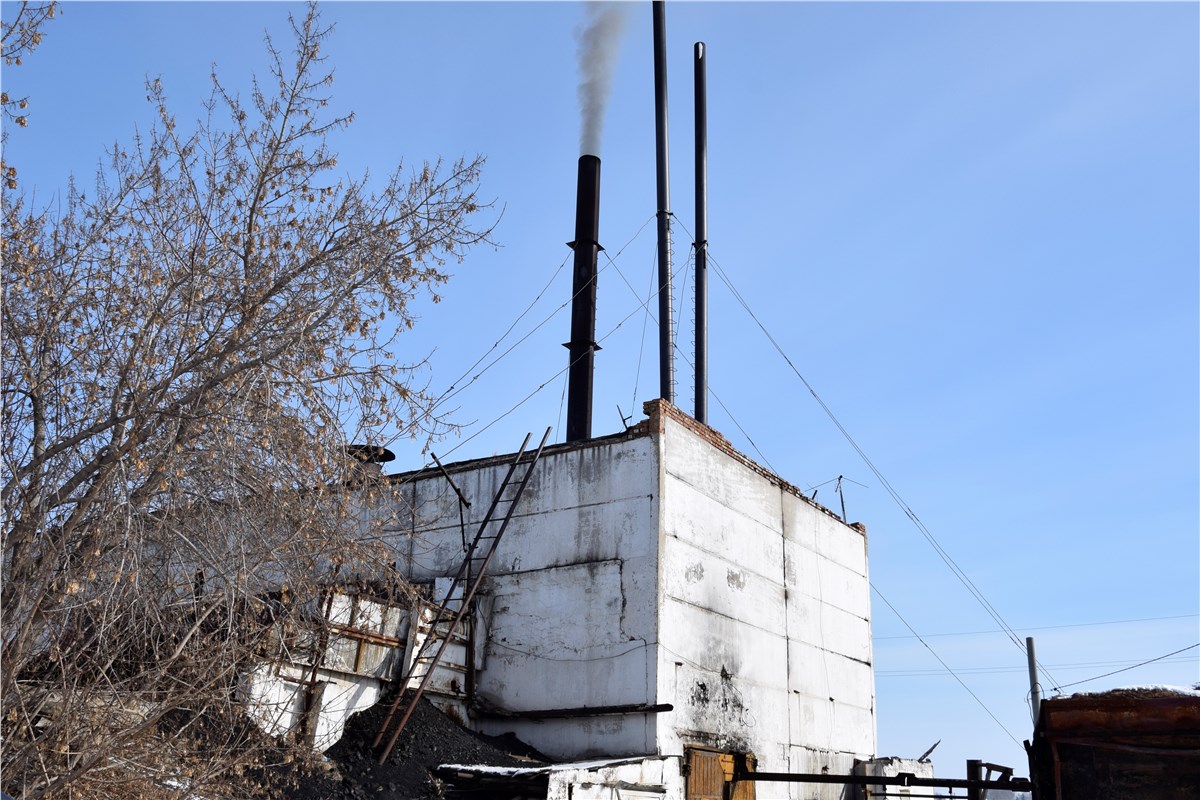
pixel 662 566
pixel 568 618
pixel 764 604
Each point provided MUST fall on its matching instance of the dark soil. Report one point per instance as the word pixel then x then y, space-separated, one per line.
pixel 429 740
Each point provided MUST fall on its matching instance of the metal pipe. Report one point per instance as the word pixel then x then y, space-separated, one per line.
pixel 581 711
pixel 582 346
pixel 666 349
pixel 975 775
pixel 701 235
pixel 1035 690
pixel 1035 694
pixel 903 779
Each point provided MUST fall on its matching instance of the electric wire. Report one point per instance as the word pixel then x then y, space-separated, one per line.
pixel 1041 627
pixel 543 385
pixel 637 375
pixel 641 305
pixel 503 336
pixel 946 666
pixel 998 670
pixel 1060 687
pixel 683 284
pixel 642 645
pixel 762 456
pixel 650 315
pixel 454 389
pixel 562 402
pixel 955 569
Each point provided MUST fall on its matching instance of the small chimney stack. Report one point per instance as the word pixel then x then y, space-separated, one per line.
pixel 368 459
pixel 582 346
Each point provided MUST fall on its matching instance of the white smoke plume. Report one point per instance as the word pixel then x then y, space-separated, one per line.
pixel 599 40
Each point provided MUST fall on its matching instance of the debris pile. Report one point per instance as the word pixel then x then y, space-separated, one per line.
pixel 351 770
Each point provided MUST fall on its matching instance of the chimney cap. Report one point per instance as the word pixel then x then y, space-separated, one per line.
pixel 370 453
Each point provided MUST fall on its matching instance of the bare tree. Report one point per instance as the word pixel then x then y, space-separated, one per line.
pixel 19 37
pixel 187 351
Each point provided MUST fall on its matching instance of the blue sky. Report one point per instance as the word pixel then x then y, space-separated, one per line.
pixel 972 227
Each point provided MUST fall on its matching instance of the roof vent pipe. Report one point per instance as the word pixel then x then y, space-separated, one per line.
pixel 582 346
pixel 666 350
pixel 701 236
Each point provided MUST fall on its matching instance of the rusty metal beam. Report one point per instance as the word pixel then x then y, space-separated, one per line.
pixel 903 779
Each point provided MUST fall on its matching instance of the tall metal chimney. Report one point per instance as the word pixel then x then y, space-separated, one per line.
pixel 666 329
pixel 701 236
pixel 582 346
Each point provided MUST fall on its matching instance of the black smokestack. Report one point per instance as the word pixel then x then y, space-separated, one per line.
pixel 666 332
pixel 701 105
pixel 583 304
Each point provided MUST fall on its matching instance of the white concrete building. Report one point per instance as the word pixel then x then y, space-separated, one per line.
pixel 651 570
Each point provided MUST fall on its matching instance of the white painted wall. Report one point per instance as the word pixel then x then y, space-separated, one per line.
pixel 764 610
pixel 890 768
pixel 662 567
pixel 276 693
pixel 276 700
pixel 645 779
pixel 569 613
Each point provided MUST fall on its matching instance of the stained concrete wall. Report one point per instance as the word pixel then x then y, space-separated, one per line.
pixel 662 566
pixel 764 632
pixel 568 619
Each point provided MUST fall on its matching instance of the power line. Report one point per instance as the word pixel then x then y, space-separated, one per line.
pixel 1126 669
pixel 450 390
pixel 526 398
pixel 683 355
pixel 637 373
pixel 454 389
pixel 946 666
pixel 950 563
pixel 924 673
pixel 1045 627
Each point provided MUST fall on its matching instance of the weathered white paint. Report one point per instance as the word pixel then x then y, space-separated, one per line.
pixel 568 617
pixel 350 677
pixel 660 566
pixel 764 617
pixel 644 779
pixel 276 696
pixel 890 768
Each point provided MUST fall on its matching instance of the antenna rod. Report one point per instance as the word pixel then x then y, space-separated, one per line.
pixel 701 236
pixel 666 350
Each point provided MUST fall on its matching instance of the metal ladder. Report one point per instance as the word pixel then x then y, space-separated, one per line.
pixel 469 577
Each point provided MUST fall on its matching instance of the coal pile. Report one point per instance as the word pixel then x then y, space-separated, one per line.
pixel 352 771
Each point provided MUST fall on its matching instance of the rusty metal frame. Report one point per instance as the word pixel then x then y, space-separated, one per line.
pixel 903 779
